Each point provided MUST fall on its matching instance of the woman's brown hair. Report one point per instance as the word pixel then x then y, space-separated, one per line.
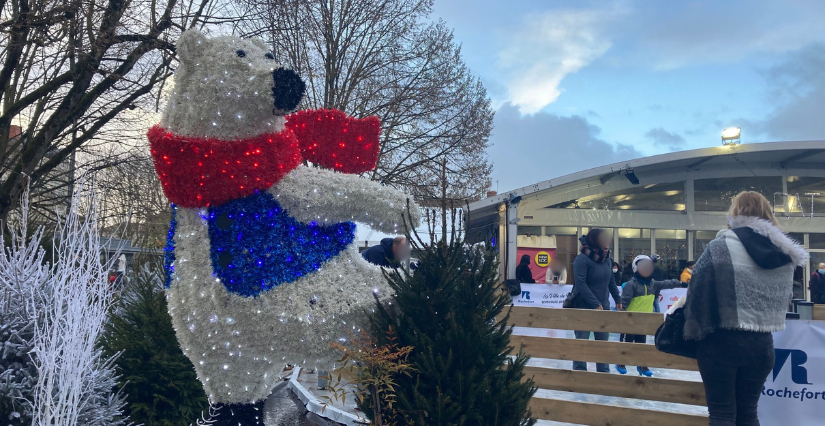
pixel 751 203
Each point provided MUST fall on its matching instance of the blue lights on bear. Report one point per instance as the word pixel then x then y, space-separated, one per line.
pixel 169 249
pixel 255 245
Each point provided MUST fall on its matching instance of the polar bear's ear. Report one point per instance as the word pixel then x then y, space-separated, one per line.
pixel 260 43
pixel 192 43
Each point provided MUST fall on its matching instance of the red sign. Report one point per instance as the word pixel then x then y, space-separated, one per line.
pixel 539 272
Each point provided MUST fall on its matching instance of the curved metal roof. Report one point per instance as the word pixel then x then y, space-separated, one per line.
pixel 780 155
pixel 733 160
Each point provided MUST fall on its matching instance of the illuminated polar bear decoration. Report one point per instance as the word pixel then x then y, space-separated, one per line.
pixel 262 266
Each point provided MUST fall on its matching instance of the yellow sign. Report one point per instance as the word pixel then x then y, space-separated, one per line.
pixel 543 259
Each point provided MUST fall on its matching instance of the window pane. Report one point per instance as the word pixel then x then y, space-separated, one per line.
pixel 799 283
pixel 632 242
pixel 671 245
pixel 715 195
pixel 804 188
pixel 529 230
pixel 816 241
pixel 700 242
pixel 816 259
pixel 560 230
pixel 662 197
pixel 799 237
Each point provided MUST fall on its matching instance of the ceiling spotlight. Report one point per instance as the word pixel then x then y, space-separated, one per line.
pixel 730 136
pixel 631 176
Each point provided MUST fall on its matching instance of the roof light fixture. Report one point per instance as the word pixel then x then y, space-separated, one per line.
pixel 731 136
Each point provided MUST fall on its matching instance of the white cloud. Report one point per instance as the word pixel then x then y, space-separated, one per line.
pixel 550 46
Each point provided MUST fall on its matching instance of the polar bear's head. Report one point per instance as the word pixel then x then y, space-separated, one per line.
pixel 229 88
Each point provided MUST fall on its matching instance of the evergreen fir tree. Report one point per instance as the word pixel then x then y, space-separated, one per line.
pixel 18 374
pixel 447 310
pixel 160 382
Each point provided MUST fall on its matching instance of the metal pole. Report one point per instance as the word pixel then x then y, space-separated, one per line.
pixel 512 238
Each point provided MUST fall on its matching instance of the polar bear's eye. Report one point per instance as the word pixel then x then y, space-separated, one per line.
pixel 241 53
pixel 269 55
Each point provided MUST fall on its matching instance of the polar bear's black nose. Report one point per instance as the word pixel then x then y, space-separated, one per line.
pixel 287 90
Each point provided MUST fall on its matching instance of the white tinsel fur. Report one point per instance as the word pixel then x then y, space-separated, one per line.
pixel 328 197
pixel 239 345
pixel 217 94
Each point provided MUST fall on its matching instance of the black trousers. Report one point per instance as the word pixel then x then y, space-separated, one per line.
pixel 734 366
pixel 633 338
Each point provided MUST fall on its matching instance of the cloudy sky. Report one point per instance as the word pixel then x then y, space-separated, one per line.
pixel 578 84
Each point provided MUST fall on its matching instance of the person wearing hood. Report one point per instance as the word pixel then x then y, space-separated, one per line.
pixel 738 295
pixel 817 284
pixel 389 253
pixel 523 273
pixel 617 274
pixel 640 295
pixel 594 283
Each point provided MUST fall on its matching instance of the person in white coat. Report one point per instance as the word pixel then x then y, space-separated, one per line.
pixel 556 273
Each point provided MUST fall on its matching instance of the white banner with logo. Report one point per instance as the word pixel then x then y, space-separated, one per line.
pixel 553 295
pixel 794 393
pixel 543 295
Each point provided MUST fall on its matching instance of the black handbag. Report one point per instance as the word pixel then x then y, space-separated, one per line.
pixel 513 287
pixel 570 300
pixel 670 337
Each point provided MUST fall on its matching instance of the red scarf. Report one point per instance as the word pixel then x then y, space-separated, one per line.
pixel 201 172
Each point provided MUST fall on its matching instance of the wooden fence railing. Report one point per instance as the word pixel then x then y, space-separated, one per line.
pixel 626 386
pixel 819 312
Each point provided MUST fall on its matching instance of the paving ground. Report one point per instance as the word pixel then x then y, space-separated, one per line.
pixel 283 408
pixel 309 379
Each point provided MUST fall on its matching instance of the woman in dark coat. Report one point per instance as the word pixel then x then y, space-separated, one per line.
pixel 523 273
pixel 593 271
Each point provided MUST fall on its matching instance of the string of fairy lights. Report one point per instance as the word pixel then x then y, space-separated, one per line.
pixel 262 268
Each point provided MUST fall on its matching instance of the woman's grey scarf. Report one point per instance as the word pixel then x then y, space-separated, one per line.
pixel 743 280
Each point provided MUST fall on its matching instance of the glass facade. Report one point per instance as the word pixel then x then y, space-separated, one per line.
pixel 661 197
pixel 677 246
pixel 807 193
pixel 632 242
pixel 816 259
pixel 700 242
pixel 816 241
pixel 715 195
pixel 672 246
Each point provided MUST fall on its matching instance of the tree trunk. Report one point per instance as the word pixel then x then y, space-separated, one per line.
pixel 376 408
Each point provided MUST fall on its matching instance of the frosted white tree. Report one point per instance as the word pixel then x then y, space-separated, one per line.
pixel 63 305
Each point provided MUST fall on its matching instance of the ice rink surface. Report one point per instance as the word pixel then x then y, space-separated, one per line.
pixel 608 400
